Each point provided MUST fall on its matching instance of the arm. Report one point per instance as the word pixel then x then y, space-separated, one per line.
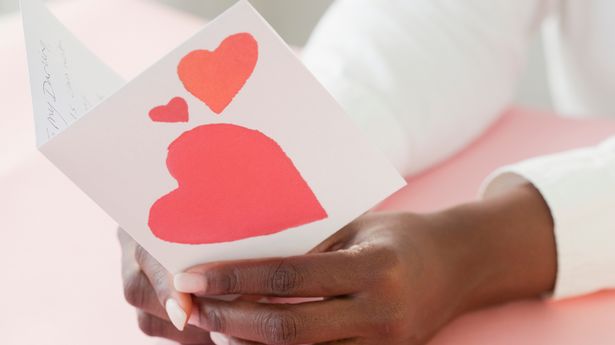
pixel 579 189
pixel 423 78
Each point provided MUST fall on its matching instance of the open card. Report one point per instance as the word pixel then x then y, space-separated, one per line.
pixel 227 148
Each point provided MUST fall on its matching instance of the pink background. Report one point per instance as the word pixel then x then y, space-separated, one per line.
pixel 59 257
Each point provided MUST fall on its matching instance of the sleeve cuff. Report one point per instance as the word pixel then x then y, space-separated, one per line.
pixel 579 189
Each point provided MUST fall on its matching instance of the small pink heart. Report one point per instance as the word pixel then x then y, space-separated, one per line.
pixel 175 111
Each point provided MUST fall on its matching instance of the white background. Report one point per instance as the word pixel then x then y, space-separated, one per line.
pixel 294 20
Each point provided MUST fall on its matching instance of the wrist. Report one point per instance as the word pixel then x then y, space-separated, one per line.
pixel 505 248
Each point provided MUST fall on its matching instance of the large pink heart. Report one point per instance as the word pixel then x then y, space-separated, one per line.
pixel 233 183
pixel 216 77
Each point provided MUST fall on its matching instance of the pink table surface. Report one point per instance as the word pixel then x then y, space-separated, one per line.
pixel 58 254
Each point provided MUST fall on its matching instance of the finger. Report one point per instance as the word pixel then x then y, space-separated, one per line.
pixel 304 323
pixel 138 291
pixel 177 305
pixel 128 246
pixel 220 339
pixel 124 238
pixel 236 341
pixel 314 275
pixel 224 340
pixel 342 238
pixel 253 298
pixel 355 341
pixel 157 327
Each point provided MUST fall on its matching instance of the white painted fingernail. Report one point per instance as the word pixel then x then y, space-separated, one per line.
pixel 219 338
pixel 176 314
pixel 194 317
pixel 189 282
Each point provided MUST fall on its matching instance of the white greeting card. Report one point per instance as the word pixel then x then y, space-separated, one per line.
pixel 227 148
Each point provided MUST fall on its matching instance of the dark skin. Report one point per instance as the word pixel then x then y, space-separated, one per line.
pixel 387 278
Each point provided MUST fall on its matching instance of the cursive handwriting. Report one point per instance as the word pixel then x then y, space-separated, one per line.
pixel 48 89
pixel 54 116
pixel 49 93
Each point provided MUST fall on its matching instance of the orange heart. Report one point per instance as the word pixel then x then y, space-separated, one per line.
pixel 216 77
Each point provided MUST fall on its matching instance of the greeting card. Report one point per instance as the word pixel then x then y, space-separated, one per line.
pixel 227 148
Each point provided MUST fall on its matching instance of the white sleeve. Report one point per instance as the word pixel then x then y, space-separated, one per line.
pixel 579 188
pixel 423 78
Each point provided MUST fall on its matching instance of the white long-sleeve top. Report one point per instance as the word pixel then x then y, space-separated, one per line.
pixel 423 78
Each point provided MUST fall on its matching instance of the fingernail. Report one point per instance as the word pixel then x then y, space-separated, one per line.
pixel 264 300
pixel 189 282
pixel 194 317
pixel 219 338
pixel 176 314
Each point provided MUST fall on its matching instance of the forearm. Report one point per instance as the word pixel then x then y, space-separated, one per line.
pixel 505 247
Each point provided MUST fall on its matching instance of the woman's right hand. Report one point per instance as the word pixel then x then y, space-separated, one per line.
pixel 161 310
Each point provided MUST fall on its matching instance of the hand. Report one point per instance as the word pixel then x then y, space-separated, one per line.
pixel 148 287
pixel 386 278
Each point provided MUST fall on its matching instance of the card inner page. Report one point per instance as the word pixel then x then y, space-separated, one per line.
pixel 66 78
